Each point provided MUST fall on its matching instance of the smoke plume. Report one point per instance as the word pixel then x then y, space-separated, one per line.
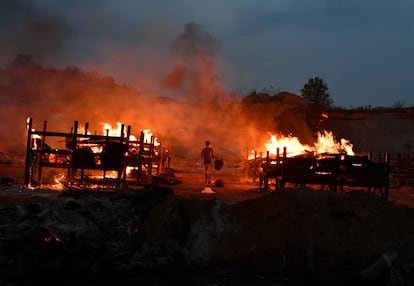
pixel 205 111
pixel 195 75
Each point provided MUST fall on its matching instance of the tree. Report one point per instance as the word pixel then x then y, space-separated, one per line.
pixel 316 91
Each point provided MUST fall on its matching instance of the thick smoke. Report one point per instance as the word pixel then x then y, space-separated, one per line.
pixel 205 109
pixel 195 75
pixel 211 112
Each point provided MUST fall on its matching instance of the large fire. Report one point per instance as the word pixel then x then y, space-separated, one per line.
pixel 116 130
pixel 148 137
pixel 146 142
pixel 325 143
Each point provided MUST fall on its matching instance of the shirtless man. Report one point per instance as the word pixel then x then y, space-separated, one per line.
pixel 207 156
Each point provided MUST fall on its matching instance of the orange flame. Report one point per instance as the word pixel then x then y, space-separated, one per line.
pixel 292 144
pixel 325 143
pixel 117 131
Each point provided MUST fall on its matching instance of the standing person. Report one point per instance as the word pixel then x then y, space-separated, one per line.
pixel 207 156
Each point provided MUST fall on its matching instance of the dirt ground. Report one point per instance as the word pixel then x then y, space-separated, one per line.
pixel 294 236
pixel 321 237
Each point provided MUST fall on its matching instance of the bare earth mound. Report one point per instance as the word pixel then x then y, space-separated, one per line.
pixel 180 235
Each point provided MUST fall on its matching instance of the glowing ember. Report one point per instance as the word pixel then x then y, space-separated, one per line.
pixel 59 180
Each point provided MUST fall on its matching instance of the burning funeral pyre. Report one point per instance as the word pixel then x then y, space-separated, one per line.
pixel 116 155
pixel 326 163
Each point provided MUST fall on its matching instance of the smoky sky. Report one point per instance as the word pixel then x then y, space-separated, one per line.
pixel 196 74
pixel 28 30
pixel 362 49
pixel 195 40
pixel 192 72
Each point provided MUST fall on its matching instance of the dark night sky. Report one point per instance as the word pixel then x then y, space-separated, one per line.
pixel 362 49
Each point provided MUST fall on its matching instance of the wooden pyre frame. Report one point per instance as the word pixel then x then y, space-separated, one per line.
pixel 116 154
pixel 333 170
